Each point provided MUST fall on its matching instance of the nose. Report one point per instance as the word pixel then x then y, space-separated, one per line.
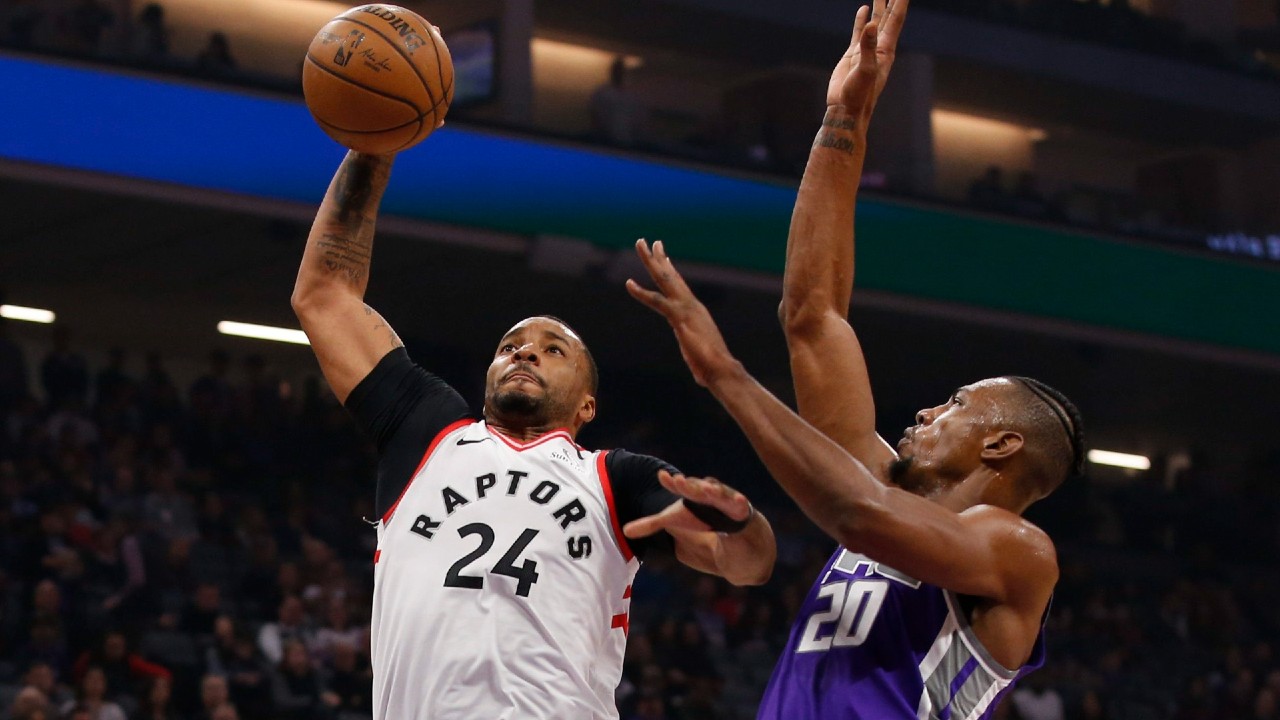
pixel 526 353
pixel 924 417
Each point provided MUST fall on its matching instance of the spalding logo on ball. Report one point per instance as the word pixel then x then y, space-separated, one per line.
pixel 378 78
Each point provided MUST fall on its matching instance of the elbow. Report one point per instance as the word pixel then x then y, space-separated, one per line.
pixel 800 319
pixel 307 301
pixel 855 523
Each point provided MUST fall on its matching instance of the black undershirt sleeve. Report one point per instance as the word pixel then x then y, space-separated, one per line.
pixel 637 494
pixel 402 408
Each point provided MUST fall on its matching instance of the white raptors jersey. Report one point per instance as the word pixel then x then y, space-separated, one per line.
pixel 501 588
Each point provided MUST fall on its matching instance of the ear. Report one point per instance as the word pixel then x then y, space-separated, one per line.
pixel 1001 445
pixel 587 411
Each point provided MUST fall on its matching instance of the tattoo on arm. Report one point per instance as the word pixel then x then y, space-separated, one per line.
pixel 835 142
pixel 344 254
pixel 380 323
pixel 354 189
pixel 842 123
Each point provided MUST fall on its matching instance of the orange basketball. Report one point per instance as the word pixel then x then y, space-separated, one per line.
pixel 378 78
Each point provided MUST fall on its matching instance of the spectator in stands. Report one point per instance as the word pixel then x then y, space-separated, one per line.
pixel 87 22
pixel 157 703
pixel 29 704
pixel 1027 200
pixel 112 380
pixel 124 672
pixel 41 677
pixel 351 679
pixel 1034 700
pixel 617 113
pixel 214 694
pixel 291 624
pixel 150 37
pixel 337 630
pixel 215 59
pixel 167 510
pixel 248 677
pixel 200 617
pixel 63 372
pixel 650 706
pixel 299 693
pixel 987 192
pixel 1264 705
pixel 92 697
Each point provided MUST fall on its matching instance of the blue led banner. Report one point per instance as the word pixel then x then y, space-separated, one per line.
pixel 220 139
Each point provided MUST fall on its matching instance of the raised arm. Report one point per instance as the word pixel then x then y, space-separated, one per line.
pixel 985 552
pixel 833 391
pixel 348 336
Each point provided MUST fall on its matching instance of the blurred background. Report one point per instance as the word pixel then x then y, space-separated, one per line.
pixel 1079 190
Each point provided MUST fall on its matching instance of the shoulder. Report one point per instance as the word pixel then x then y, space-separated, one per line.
pixel 625 465
pixel 1024 549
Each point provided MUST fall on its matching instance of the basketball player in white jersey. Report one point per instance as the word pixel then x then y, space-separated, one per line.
pixel 502 577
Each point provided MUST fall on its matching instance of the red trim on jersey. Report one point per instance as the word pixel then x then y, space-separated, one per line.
pixel 376 555
pixel 521 447
pixel 621 620
pixel 426 456
pixel 603 471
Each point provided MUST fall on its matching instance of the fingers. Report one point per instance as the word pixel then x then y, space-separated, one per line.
pixel 868 42
pixel 891 24
pixel 708 491
pixel 859 22
pixel 648 298
pixel 646 526
pixel 671 285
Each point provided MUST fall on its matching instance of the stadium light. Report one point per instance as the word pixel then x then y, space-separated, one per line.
pixel 1119 459
pixel 17 312
pixel 263 332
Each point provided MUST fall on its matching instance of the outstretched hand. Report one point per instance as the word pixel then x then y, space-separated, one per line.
pixel 701 344
pixel 705 491
pixel 861 74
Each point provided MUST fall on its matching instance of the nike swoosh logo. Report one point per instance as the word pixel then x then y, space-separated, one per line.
pixel 464 441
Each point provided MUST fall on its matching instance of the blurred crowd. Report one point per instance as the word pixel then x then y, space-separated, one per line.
pixel 129 33
pixel 201 552
pixel 1117 23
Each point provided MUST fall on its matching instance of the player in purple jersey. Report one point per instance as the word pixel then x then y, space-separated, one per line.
pixel 934 603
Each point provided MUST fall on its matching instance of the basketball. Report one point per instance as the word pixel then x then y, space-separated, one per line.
pixel 378 78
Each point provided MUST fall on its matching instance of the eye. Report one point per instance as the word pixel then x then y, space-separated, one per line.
pixel 507 347
pixel 555 349
pixel 955 400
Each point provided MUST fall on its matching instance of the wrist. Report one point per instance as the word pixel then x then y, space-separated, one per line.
pixel 842 117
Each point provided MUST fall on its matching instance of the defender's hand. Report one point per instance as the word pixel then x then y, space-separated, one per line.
pixel 860 76
pixel 706 491
pixel 700 341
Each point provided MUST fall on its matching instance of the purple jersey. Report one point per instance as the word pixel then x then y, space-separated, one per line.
pixel 871 643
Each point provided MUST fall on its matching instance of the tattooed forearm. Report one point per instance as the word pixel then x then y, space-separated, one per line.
pixel 835 142
pixel 346 255
pixel 354 188
pixel 842 123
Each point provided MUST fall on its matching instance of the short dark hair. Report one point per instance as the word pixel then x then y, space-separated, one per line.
pixel 593 372
pixel 1054 427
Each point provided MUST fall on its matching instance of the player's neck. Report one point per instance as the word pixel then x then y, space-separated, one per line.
pixel 524 433
pixel 983 487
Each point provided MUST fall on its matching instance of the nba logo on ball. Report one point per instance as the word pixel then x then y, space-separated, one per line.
pixel 378 78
